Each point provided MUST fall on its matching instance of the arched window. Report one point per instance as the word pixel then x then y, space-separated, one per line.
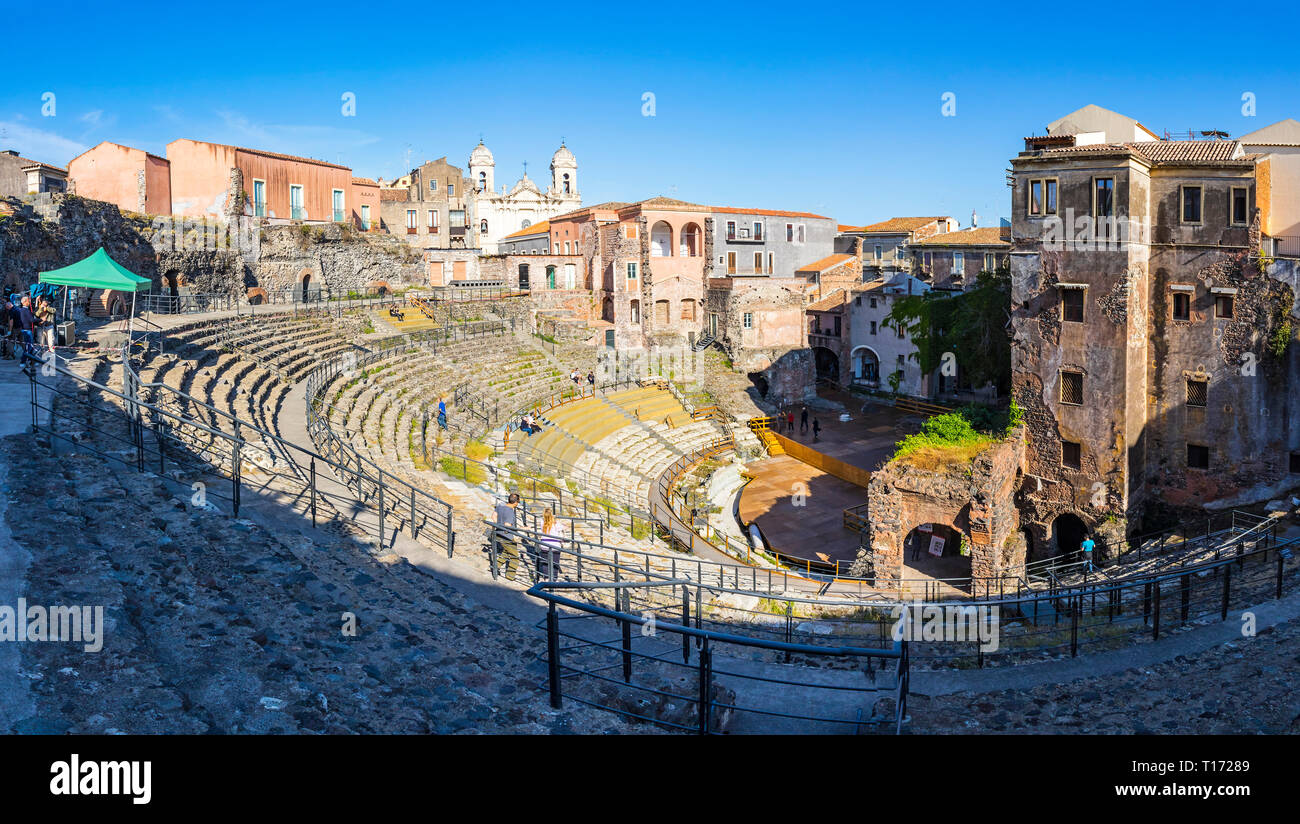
pixel 636 311
pixel 482 227
pixel 525 224
pixel 482 181
pixel 661 240
pixel 690 241
pixel 566 183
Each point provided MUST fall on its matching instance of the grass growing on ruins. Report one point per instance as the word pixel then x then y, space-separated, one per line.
pixel 955 438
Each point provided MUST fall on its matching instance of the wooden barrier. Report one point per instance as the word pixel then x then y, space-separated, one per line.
pixel 820 460
pixel 920 407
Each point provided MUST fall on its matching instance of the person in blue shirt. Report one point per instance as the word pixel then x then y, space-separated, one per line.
pixel 1087 547
pixel 442 413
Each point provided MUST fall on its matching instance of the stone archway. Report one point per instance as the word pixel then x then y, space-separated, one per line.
pixel 1068 532
pixel 256 296
pixel 828 363
pixel 934 552
pixel 379 287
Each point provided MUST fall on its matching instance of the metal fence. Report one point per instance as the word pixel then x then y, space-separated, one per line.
pixel 296 299
pixel 661 666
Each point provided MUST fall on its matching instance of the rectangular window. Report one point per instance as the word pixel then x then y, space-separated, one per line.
pixel 928 259
pixel 451 189
pixel 631 271
pixel 433 187
pixel 1049 194
pixel 873 327
pixel 758 230
pixel 748 320
pixel 902 330
pixel 958 263
pixel 1191 204
pixel 789 232
pixel 433 220
pixel 1198 457
pixel 630 231
pixel 731 263
pixel 873 303
pixel 1072 305
pixel 990 262
pixel 1182 306
pixel 1072 388
pixel 566 247
pixel 411 221
pixel 731 230
pixel 1071 455
pixel 296 210
pixel 771 259
pixel 1223 306
pixel 1035 197
pixel 758 263
pixel 365 217
pixel 1103 198
pixel 799 234
pixel 1239 207
pixel 336 201
pixel 259 198
pixel 1198 392
pixel 879 253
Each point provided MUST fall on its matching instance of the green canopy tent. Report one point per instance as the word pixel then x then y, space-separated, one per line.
pixel 99 271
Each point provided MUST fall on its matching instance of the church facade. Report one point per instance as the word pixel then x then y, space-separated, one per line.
pixel 498 213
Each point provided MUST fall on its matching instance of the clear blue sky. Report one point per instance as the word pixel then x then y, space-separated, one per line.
pixel 834 109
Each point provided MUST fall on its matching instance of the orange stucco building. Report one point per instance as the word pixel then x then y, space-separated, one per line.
pixel 132 179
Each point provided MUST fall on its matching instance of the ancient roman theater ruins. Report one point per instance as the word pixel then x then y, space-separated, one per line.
pixel 292 480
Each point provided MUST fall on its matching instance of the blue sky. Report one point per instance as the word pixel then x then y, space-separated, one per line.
pixel 834 109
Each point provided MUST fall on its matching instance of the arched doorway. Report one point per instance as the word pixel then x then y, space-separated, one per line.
pixel 171 281
pixel 523 275
pixel 1068 532
pixel 866 366
pixel 607 309
pixel 550 277
pixel 933 553
pixel 828 363
pixel 760 382
pixel 305 291
pixel 661 240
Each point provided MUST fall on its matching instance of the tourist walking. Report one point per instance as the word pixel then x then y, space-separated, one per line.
pixel 1087 546
pixel 442 414
pixel 789 422
pixel 803 420
pixel 817 429
pixel 6 325
pixel 591 379
pixel 507 547
pixel 552 540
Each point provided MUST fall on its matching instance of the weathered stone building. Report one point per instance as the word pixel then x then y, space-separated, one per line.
pixel 1153 344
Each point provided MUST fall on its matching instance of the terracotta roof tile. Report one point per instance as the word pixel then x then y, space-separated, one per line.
pixel 363 181
pixel 542 228
pixel 983 236
pixel 896 225
pixel 826 263
pixel 829 303
pixel 731 210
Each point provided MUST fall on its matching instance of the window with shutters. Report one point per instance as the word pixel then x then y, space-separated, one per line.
pixel 1198 392
pixel 1072 388
pixel 1072 305
pixel 1071 455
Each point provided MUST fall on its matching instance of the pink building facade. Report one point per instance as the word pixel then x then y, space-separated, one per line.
pixel 131 179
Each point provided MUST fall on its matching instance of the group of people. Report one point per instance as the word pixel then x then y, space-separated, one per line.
pixel 788 419
pixel 28 329
pixel 394 312
pixel 544 549
pixel 576 377
pixel 528 424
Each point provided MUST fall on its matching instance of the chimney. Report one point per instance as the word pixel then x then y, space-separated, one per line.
pixel 974 219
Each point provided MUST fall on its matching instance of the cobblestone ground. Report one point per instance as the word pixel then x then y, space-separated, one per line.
pixel 215 625
pixel 1246 686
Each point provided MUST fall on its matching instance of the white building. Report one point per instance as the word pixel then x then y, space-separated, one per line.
pixel 522 205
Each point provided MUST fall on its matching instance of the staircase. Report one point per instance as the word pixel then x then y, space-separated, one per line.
pixel 703 342
pixel 762 427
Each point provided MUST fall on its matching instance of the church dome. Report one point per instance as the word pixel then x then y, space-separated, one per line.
pixel 563 157
pixel 481 156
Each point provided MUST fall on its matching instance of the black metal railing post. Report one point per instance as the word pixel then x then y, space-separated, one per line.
pixel 552 654
pixel 706 687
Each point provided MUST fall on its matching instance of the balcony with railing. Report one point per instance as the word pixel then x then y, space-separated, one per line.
pixel 1286 247
pixel 744 234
